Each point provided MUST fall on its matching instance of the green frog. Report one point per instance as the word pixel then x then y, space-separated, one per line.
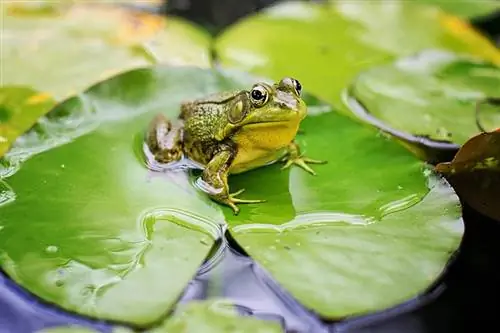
pixel 233 132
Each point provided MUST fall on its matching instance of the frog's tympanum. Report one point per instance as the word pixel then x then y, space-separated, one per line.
pixel 232 132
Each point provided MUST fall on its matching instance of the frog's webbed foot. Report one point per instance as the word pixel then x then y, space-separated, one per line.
pixel 293 156
pixel 215 175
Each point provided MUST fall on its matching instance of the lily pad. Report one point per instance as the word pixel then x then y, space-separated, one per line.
pixel 214 316
pixel 428 97
pixel 86 225
pixel 20 107
pixel 475 173
pixel 326 45
pixel 373 229
pixel 64 49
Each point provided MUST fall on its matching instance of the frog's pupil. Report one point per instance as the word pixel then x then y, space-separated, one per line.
pixel 298 86
pixel 257 94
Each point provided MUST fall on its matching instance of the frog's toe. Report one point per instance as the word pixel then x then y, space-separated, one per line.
pixel 311 161
pixel 302 162
pixel 232 201
pixel 232 197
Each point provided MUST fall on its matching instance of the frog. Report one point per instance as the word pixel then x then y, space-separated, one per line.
pixel 232 132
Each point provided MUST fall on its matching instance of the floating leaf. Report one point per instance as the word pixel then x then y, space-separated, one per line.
pixel 215 316
pixel 475 173
pixel 20 107
pixel 364 238
pixel 429 98
pixel 90 228
pixel 326 45
pixel 372 229
pixel 64 49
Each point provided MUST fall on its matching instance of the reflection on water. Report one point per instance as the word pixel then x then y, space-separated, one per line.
pixel 309 220
pixel 6 193
pixel 182 218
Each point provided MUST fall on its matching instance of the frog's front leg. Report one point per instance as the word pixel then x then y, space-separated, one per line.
pixel 164 139
pixel 215 175
pixel 293 156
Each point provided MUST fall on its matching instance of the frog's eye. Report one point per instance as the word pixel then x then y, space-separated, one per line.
pixel 259 95
pixel 297 86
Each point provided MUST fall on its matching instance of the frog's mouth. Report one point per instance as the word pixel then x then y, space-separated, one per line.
pixel 269 122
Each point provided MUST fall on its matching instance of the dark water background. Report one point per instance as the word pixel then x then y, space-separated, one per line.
pixel 465 299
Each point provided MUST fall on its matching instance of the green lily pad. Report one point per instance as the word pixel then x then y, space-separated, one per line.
pixel 325 45
pixel 432 95
pixel 214 316
pixel 373 228
pixel 20 107
pixel 466 8
pixel 85 225
pixel 64 49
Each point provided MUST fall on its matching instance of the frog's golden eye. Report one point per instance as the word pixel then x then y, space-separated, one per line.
pixel 297 86
pixel 259 96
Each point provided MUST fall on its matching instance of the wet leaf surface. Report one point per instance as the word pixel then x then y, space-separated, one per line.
pixel 475 173
pixel 20 107
pixel 100 224
pixel 364 238
pixel 432 95
pixel 65 49
pixel 331 43
pixel 81 234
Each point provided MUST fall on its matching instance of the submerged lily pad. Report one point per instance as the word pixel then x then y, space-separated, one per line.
pixel 431 95
pixel 65 49
pixel 324 45
pixel 86 228
pixel 214 316
pixel 20 107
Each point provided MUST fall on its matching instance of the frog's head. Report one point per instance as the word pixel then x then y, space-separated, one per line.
pixel 267 105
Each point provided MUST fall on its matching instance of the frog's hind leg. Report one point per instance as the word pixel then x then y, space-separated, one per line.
pixel 164 139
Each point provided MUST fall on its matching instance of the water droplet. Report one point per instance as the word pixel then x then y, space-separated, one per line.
pixel 59 283
pixel 63 166
pixel 272 247
pixel 298 243
pixel 278 240
pixel 51 249
pixel 400 187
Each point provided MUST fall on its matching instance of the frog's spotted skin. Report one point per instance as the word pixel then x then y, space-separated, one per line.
pixel 232 132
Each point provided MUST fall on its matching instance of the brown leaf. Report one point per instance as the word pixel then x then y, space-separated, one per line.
pixel 474 173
